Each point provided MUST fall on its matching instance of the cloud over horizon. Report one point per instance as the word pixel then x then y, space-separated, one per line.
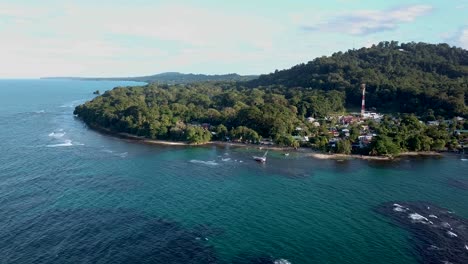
pixel 130 38
pixel 366 22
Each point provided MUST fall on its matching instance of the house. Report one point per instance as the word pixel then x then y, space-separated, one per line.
pixel 310 119
pixel 460 131
pixel 333 131
pixel 433 123
pixel 365 140
pixel 345 131
pixel 372 115
pixel 301 138
pixel 345 120
pixel 266 141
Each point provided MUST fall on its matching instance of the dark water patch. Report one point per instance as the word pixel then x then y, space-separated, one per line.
pixel 458 183
pixel 404 163
pixel 438 235
pixel 291 168
pixel 101 236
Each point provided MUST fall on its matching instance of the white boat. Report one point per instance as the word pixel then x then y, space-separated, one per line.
pixel 286 154
pixel 261 159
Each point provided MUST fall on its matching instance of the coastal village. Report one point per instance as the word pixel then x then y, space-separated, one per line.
pixel 337 128
pixel 357 127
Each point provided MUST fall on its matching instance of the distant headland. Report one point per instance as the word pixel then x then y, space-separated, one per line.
pixel 169 78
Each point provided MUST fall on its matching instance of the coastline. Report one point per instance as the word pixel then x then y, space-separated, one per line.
pixel 308 152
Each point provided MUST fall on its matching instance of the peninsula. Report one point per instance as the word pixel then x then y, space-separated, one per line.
pixel 415 102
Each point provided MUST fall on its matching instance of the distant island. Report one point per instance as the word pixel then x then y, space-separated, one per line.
pixel 170 78
pixel 415 94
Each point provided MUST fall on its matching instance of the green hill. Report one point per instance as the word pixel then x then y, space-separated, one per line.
pixel 411 77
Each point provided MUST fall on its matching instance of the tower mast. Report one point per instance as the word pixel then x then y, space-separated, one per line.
pixel 363 104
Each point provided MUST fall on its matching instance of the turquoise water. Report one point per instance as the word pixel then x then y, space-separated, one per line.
pixel 71 195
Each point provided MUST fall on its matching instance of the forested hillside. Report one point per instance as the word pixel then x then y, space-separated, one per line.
pixel 408 78
pixel 176 111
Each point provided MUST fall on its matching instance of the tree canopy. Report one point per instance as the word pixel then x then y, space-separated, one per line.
pixel 407 78
pixel 178 112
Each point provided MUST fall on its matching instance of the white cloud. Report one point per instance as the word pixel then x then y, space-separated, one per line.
pixel 159 36
pixel 365 22
pixel 462 37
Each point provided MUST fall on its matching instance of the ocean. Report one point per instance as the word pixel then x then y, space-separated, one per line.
pixel 69 194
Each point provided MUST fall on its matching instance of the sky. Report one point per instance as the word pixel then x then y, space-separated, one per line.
pixel 141 37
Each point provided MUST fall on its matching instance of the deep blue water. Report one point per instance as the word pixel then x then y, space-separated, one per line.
pixel 71 195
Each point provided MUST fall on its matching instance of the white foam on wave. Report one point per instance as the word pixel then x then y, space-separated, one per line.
pixel 446 225
pixel 466 247
pixel 399 208
pixel 66 143
pixel 281 261
pixel 226 159
pixel 433 216
pixel 39 111
pixel 463 159
pixel 208 162
pixel 451 234
pixel 432 247
pixel 122 155
pixel 417 218
pixel 57 134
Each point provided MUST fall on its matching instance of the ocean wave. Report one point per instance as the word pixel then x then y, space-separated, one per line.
pixel 417 218
pixel 57 134
pixel 122 155
pixel 399 208
pixel 451 234
pixel 226 159
pixel 39 112
pixel 281 261
pixel 66 143
pixel 208 162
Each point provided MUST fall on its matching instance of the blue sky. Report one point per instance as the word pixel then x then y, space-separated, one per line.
pixel 139 37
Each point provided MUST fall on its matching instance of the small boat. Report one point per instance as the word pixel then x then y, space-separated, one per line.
pixel 261 159
pixel 286 154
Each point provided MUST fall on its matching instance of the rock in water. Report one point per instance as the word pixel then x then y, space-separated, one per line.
pixel 440 235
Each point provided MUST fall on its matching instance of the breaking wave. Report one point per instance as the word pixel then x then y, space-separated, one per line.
pixel 209 162
pixel 122 154
pixel 66 143
pixel 57 134
pixel 281 261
